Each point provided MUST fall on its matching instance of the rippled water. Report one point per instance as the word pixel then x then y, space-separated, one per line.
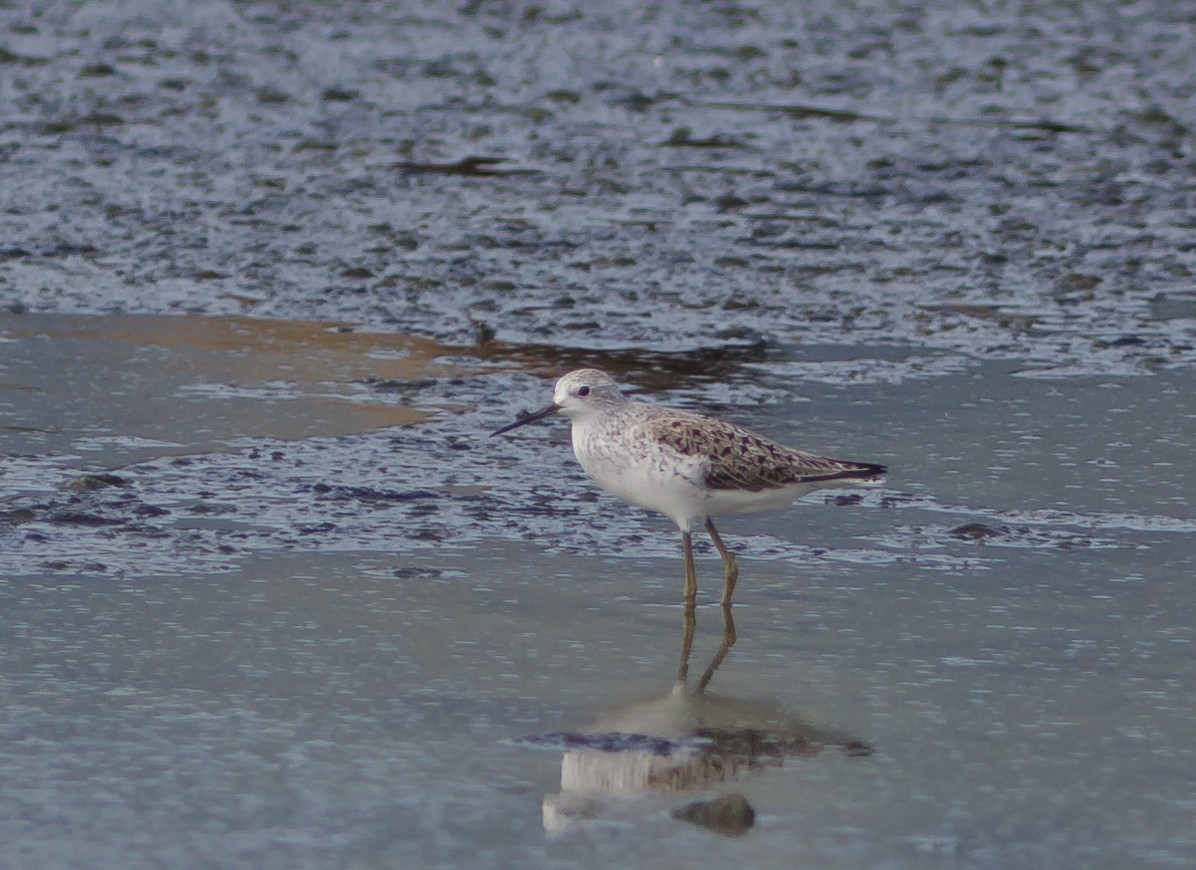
pixel 1006 182
pixel 269 597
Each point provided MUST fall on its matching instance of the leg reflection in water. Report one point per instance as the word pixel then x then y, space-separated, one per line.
pixel 687 643
pixel 680 741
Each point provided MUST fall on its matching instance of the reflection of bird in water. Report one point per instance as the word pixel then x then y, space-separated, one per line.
pixel 688 739
pixel 686 466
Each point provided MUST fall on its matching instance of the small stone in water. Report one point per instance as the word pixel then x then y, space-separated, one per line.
pixel 730 814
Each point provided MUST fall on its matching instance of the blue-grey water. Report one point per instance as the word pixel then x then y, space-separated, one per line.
pixel 325 650
pixel 269 273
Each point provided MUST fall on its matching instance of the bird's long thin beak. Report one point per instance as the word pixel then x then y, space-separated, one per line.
pixel 547 411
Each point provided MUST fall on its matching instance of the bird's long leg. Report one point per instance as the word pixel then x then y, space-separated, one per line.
pixel 691 597
pixel 730 569
pixel 691 573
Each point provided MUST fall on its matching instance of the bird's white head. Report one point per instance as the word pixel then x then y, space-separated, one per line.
pixel 576 395
pixel 584 391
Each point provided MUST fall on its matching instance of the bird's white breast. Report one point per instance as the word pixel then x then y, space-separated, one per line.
pixel 627 463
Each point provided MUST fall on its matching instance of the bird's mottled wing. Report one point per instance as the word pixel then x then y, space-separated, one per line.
pixel 738 458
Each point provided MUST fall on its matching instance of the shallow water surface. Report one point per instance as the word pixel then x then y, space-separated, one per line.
pixel 388 646
pixel 269 272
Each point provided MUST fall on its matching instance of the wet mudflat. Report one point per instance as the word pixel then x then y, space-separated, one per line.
pixel 1009 183
pixel 269 273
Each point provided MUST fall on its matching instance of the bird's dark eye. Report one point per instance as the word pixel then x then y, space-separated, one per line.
pixel 583 391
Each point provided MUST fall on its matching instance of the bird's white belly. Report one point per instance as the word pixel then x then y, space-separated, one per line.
pixel 647 478
pixel 739 501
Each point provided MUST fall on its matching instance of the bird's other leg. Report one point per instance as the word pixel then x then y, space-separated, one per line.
pixel 691 573
pixel 730 569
